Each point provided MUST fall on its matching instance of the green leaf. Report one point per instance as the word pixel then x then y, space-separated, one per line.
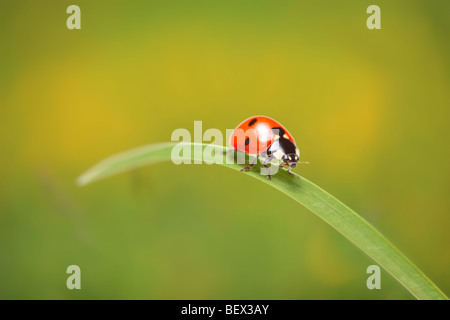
pixel 324 205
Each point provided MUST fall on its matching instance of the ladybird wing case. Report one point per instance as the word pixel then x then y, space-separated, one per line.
pixel 256 134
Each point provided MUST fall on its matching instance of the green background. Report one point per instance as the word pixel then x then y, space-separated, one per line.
pixel 369 110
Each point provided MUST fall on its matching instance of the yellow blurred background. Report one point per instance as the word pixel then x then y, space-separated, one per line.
pixel 369 110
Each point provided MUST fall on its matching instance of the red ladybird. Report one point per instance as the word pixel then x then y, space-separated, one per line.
pixel 260 134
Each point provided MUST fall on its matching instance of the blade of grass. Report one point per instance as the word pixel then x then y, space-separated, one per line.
pixel 324 205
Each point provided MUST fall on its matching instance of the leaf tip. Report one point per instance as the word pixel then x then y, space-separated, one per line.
pixel 82 180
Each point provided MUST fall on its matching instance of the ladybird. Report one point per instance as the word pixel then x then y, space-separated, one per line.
pixel 260 135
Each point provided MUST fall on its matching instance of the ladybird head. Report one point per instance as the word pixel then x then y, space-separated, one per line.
pixel 291 159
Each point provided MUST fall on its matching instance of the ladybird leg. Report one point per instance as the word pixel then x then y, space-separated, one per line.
pixel 252 164
pixel 265 163
pixel 289 171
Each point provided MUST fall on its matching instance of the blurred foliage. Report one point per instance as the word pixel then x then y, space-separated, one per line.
pixel 368 109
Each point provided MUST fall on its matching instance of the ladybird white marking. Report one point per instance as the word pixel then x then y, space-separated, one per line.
pixel 278 154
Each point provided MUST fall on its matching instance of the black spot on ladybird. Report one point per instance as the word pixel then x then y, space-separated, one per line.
pixel 247 141
pixel 252 122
